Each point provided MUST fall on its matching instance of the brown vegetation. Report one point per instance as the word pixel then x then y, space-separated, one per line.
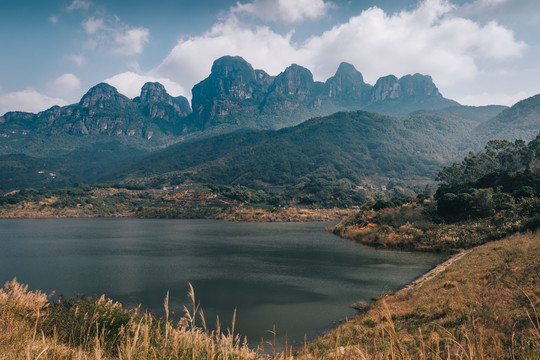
pixel 483 306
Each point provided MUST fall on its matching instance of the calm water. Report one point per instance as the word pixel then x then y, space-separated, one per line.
pixel 294 275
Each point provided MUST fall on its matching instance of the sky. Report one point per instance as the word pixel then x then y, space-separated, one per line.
pixel 478 52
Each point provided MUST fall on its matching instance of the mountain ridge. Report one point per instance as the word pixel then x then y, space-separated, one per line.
pixel 234 96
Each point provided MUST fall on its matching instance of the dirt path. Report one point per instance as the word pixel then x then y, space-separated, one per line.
pixel 436 270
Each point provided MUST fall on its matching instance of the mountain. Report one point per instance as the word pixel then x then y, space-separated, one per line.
pixel 85 141
pixel 236 96
pixel 350 146
pixel 103 111
pixel 89 140
pixel 162 108
pixel 521 121
pixel 394 96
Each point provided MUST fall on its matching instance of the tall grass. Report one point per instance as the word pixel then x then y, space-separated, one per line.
pixel 86 328
pixel 484 306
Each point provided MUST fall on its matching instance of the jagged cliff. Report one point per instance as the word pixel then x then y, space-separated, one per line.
pixel 234 96
pixel 237 96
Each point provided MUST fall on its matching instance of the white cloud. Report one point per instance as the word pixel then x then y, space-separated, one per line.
pixel 428 39
pixel 108 33
pixel 79 5
pixel 53 19
pixel 498 98
pixel 27 100
pixel 285 10
pixel 66 87
pixel 191 59
pixel 78 60
pixel 131 41
pixel 130 84
pixel 67 82
pixel 93 25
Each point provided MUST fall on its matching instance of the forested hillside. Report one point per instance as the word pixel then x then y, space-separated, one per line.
pixel 345 146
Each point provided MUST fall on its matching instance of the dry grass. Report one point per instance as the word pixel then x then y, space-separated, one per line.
pixel 292 214
pixel 482 306
pixel 33 328
pixel 410 227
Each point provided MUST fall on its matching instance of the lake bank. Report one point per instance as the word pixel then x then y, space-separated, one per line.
pixel 193 203
pixel 482 305
pixel 294 275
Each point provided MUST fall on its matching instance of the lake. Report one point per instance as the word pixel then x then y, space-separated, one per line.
pixel 294 275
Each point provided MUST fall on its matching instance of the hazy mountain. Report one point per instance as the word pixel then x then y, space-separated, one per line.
pixel 234 96
pixel 521 121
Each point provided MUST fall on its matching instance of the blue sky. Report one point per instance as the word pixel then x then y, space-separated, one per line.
pixel 477 51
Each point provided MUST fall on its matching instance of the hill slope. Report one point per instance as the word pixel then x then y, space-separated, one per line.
pixel 350 146
pixel 521 121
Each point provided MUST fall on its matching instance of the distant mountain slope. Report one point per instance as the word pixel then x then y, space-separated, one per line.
pixel 349 146
pixel 521 121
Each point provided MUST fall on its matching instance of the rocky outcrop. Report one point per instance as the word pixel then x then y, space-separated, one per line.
pixel 104 95
pixel 156 103
pixel 234 96
pixel 386 88
pixel 233 88
pixel 348 86
pixel 104 111
pixel 295 80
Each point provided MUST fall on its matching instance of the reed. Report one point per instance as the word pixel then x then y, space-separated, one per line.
pixel 483 306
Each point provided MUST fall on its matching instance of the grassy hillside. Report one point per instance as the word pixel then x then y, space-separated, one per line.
pixel 483 306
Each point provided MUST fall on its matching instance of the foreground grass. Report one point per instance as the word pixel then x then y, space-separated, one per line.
pixel 481 306
pixel 33 328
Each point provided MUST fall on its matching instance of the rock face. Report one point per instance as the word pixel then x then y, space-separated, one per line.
pixel 234 96
pixel 104 111
pixel 156 103
pixel 295 80
pixel 102 96
pixel 348 85
pixel 232 88
pixel 237 96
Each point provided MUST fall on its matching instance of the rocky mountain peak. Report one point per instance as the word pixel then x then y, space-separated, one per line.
pixel 152 92
pixel 347 82
pixel 418 85
pixel 231 77
pixel 386 88
pixel 348 71
pixel 102 94
pixel 157 103
pixel 295 80
pixel 232 66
